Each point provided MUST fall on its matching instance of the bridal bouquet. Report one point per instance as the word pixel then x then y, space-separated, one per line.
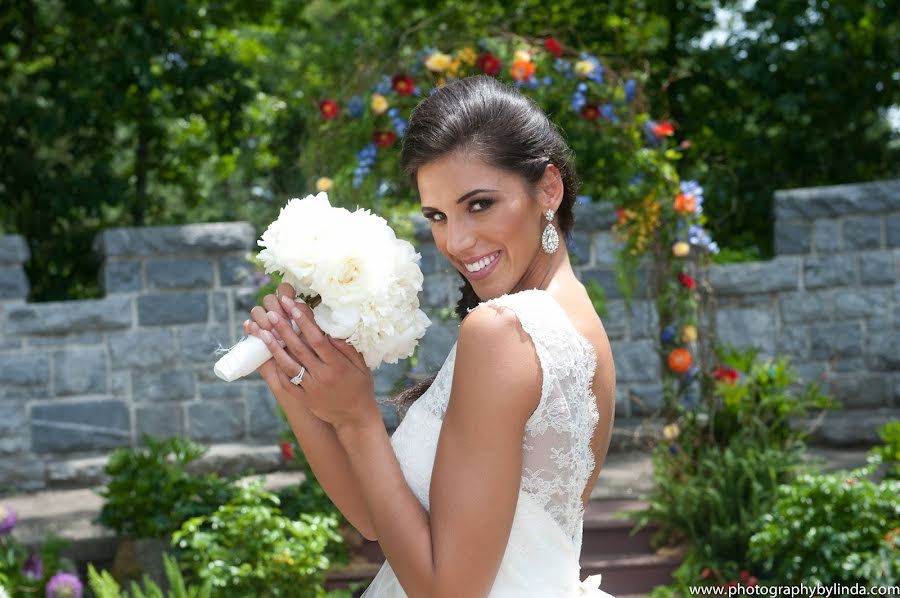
pixel 360 279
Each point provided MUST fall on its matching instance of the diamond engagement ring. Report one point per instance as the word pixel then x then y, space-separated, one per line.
pixel 299 377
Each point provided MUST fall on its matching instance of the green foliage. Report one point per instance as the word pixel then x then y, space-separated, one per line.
pixel 598 297
pixel 13 556
pixel 832 528
pixel 889 452
pixel 105 586
pixel 723 461
pixel 249 548
pixel 150 492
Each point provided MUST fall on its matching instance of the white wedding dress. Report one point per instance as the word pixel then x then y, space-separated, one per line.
pixel 542 556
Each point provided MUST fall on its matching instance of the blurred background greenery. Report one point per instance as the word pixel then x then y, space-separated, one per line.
pixel 146 112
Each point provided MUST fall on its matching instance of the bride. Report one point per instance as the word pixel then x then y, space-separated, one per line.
pixel 482 489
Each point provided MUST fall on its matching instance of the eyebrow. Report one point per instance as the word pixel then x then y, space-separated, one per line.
pixel 461 199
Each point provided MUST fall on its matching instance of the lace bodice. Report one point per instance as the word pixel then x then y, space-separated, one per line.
pixel 557 458
pixel 545 540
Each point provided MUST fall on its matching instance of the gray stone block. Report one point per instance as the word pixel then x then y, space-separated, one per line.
pixel 432 261
pixel 219 390
pixel 793 341
pixel 120 385
pixel 862 232
pixel 12 419
pixel 142 349
pixel 216 421
pixel 827 236
pixel 877 267
pixel 159 421
pixel 262 412
pixel 594 216
pixel 21 474
pixel 437 290
pixel 220 303
pixel 66 340
pixel 580 249
pixel 780 274
pixel 645 399
pixel 182 273
pixel 810 203
pixel 636 361
pixel 883 347
pixel 13 250
pixel 30 368
pixel 389 376
pixel 198 344
pixel 614 320
pixel 235 271
pixel 245 299
pixel 864 302
pixel 858 391
pixel 836 341
pixel 13 283
pixel 80 371
pixel 91 425
pixel 605 248
pixel 434 347
pixel 748 327
pixel 121 276
pixel 853 427
pixel 644 320
pixel 792 237
pixel 172 308
pixel 892 225
pixel 66 317
pixel 805 307
pixel 163 384
pixel 809 372
pixel 14 445
pixel 216 237
pixel 829 271
pixel 606 278
pixel 853 365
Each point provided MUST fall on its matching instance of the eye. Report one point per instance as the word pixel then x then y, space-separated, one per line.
pixel 485 203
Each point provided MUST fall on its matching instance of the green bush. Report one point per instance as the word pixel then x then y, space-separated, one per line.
pixel 832 528
pixel 889 452
pixel 249 548
pixel 14 556
pixel 104 586
pixel 150 493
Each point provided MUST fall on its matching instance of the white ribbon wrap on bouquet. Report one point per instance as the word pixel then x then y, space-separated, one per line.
pixel 245 357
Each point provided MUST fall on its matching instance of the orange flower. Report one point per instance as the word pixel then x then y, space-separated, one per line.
pixel 892 536
pixel 522 70
pixel 664 129
pixel 685 204
pixel 680 360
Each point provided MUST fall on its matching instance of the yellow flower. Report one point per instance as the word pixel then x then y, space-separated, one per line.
pixel 467 55
pixel 671 432
pixel 689 333
pixel 441 81
pixel 681 249
pixel 523 55
pixel 438 62
pixel 453 69
pixel 324 184
pixel 379 104
pixel 583 68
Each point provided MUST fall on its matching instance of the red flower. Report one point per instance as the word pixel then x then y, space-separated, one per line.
pixel 664 129
pixel 553 46
pixel 403 84
pixel 752 582
pixel 733 584
pixel 488 64
pixel 590 112
pixel 745 575
pixel 287 451
pixel 384 139
pixel 706 573
pixel 725 374
pixel 329 109
pixel 686 281
pixel 685 144
pixel 621 214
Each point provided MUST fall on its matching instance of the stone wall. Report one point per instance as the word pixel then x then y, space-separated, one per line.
pixel 78 378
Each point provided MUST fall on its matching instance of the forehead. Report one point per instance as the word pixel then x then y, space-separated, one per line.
pixel 443 181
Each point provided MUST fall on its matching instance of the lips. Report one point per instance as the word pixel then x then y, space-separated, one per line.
pixel 479 258
pixel 487 270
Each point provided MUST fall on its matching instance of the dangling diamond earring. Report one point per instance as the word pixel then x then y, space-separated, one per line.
pixel 549 240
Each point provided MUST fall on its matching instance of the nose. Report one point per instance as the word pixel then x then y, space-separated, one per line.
pixel 460 239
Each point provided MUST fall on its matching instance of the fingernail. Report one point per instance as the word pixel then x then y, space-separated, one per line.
pixel 296 313
pixel 246 322
pixel 272 317
pixel 266 336
pixel 287 301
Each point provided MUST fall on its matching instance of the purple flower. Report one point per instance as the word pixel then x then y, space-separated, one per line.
pixel 630 89
pixel 7 520
pixel 34 567
pixel 64 585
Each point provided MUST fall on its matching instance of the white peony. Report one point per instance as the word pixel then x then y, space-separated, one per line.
pixel 3 593
pixel 368 282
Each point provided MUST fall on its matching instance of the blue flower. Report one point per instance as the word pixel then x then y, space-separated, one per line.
pixel 417 91
pixel 630 90
pixel 690 375
pixel 578 100
pixel 582 86
pixel 356 106
pixel 668 334
pixel 636 179
pixel 608 113
pixel 548 80
pixel 366 157
pixel 597 73
pixel 384 86
pixel 582 199
pixel 649 134
pixel 692 187
pixel 673 449
pixel 699 237
pixel 564 67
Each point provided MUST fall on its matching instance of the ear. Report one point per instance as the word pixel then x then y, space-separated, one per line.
pixel 551 186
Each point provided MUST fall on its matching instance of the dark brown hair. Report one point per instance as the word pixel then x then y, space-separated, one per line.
pixel 497 124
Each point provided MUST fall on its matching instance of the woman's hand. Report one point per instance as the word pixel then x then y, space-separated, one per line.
pixel 337 385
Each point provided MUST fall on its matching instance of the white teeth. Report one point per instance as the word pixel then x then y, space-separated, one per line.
pixel 480 263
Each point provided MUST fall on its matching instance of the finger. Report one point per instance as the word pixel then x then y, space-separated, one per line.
pixel 269 372
pixel 303 315
pixel 285 290
pixel 295 344
pixel 285 362
pixel 258 316
pixel 349 351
